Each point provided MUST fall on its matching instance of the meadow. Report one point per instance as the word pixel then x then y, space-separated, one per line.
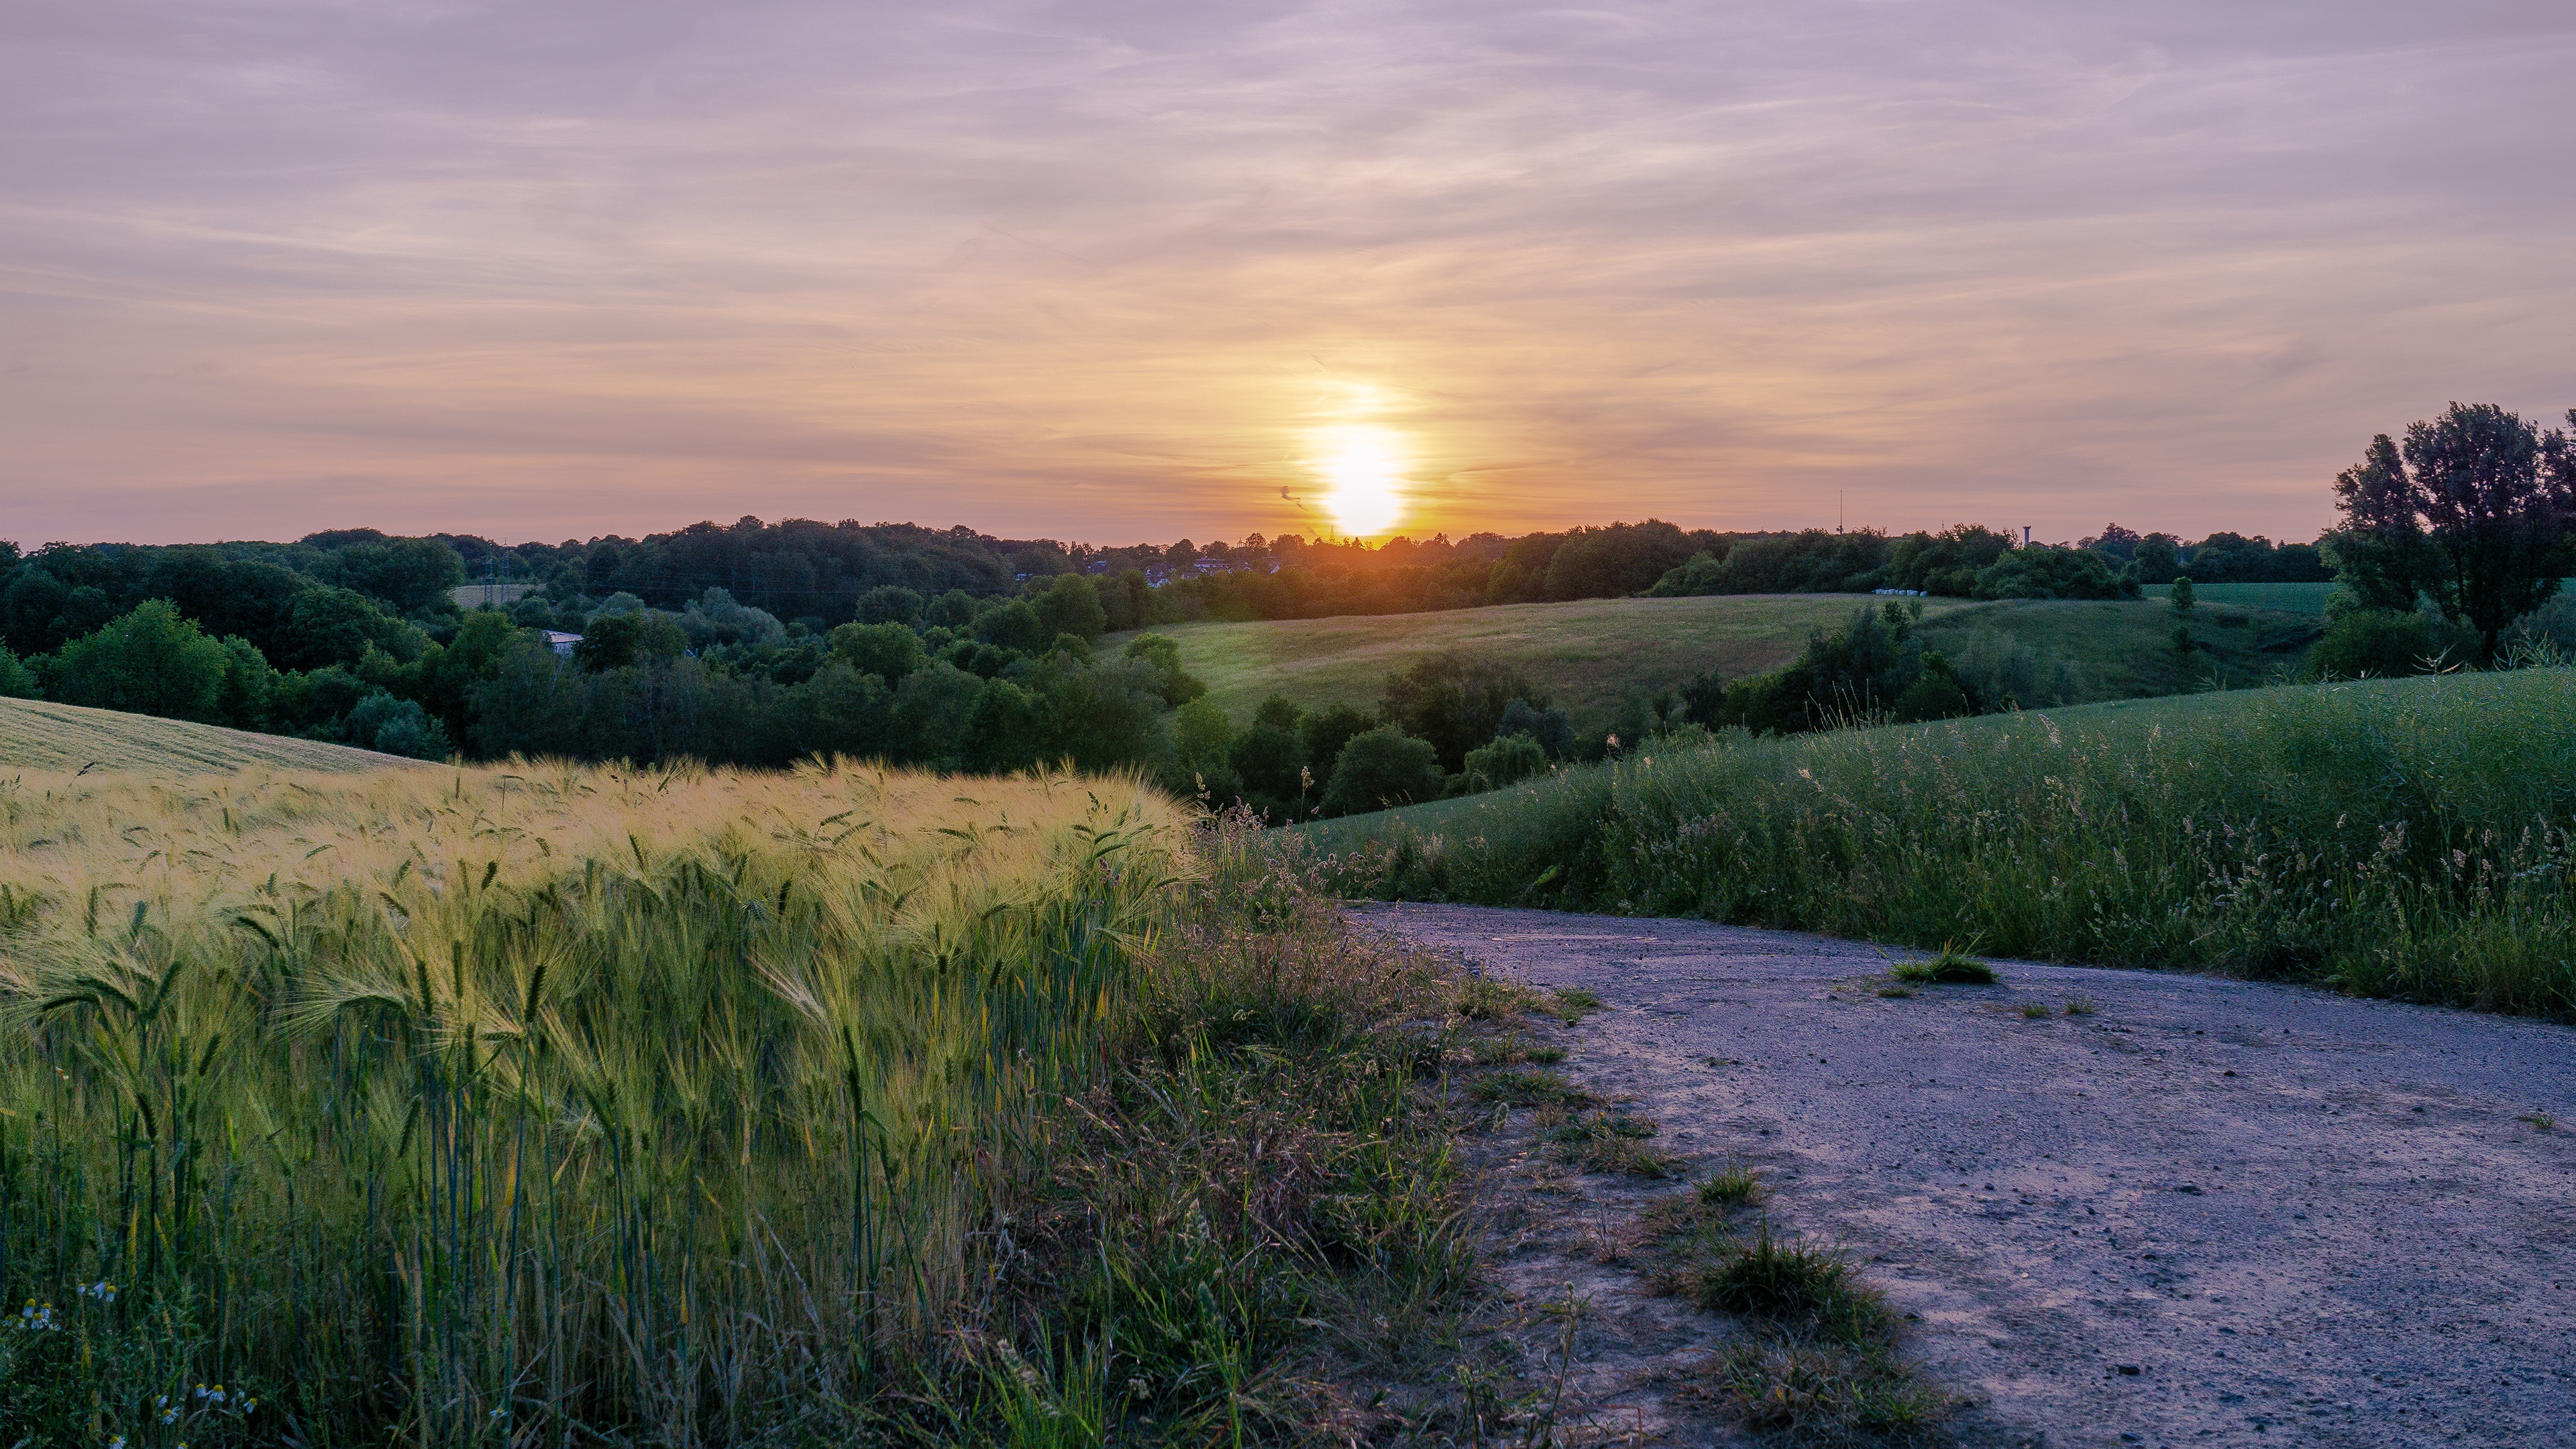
pixel 573 1104
pixel 1594 654
pixel 2407 838
pixel 38 735
pixel 2279 598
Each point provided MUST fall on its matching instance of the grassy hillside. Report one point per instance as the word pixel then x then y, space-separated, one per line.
pixel 1595 652
pixel 40 736
pixel 1590 653
pixel 2408 837
pixel 2125 650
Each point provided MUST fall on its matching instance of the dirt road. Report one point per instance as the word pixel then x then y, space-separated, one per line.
pixel 2208 1212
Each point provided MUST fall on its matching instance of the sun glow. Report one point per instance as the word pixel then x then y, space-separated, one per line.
pixel 1365 466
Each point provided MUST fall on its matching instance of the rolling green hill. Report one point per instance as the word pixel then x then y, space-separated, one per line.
pixel 1593 653
pixel 39 736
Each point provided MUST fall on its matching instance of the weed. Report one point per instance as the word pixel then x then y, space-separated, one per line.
pixel 1779 1276
pixel 1611 1142
pixel 1574 1003
pixel 2541 1120
pixel 2080 1006
pixel 2035 1011
pixel 1506 1050
pixel 1950 966
pixel 1735 1186
pixel 1895 993
pixel 1528 1089
pixel 1486 999
pixel 1823 1394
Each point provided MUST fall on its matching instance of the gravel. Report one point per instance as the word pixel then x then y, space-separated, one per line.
pixel 2208 1212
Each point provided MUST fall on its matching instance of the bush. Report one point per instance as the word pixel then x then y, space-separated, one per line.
pixel 1550 727
pixel 2379 644
pixel 393 726
pixel 1509 760
pixel 1380 768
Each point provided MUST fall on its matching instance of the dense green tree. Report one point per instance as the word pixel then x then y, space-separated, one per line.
pixel 1105 714
pixel 1550 728
pixel 2044 572
pixel 1380 768
pixel 393 726
pixel 1012 624
pixel 612 641
pixel 934 715
pixel 412 574
pixel 1624 558
pixel 1071 605
pixel 888 651
pixel 1934 694
pixel 2157 559
pixel 1162 655
pixel 2474 509
pixel 1201 734
pixel 1270 760
pixel 1326 731
pixel 151 661
pixel 2185 595
pixel 891 604
pixel 2497 499
pixel 17 681
pixel 840 709
pixel 1455 701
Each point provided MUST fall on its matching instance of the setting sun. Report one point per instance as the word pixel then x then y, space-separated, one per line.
pixel 1364 464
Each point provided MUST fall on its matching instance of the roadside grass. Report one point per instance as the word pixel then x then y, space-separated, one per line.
pixel 2402 838
pixel 563 1104
pixel 2035 1011
pixel 1606 1142
pixel 1817 1362
pixel 1947 967
pixel 2081 1006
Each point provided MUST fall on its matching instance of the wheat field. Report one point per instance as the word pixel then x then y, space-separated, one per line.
pixel 498 1105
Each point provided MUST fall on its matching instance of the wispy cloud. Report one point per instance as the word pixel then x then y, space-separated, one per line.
pixel 1097 270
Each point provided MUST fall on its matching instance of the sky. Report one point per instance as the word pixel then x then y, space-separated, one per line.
pixel 1119 272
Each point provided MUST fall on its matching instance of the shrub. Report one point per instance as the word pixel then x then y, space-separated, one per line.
pixel 1380 768
pixel 1509 760
pixel 2378 644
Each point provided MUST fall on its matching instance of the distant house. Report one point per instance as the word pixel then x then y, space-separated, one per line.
pixel 561 643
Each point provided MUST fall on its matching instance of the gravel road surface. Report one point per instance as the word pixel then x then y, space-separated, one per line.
pixel 2208 1212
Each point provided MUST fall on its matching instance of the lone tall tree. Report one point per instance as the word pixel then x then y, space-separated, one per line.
pixel 2473 509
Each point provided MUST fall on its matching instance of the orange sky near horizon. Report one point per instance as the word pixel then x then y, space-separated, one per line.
pixel 1129 272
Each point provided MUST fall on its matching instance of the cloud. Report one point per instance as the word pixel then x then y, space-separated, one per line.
pixel 1096 271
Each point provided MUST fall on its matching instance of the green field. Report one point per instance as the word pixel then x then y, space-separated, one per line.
pixel 2280 598
pixel 2395 837
pixel 1594 653
pixel 38 736
pixel 476 596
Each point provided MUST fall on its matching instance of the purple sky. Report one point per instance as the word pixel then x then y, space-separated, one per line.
pixel 1124 271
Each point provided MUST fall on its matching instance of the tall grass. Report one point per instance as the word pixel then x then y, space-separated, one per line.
pixel 2408 838
pixel 579 1105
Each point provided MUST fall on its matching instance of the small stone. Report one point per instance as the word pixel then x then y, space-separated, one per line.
pixel 2132 1370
